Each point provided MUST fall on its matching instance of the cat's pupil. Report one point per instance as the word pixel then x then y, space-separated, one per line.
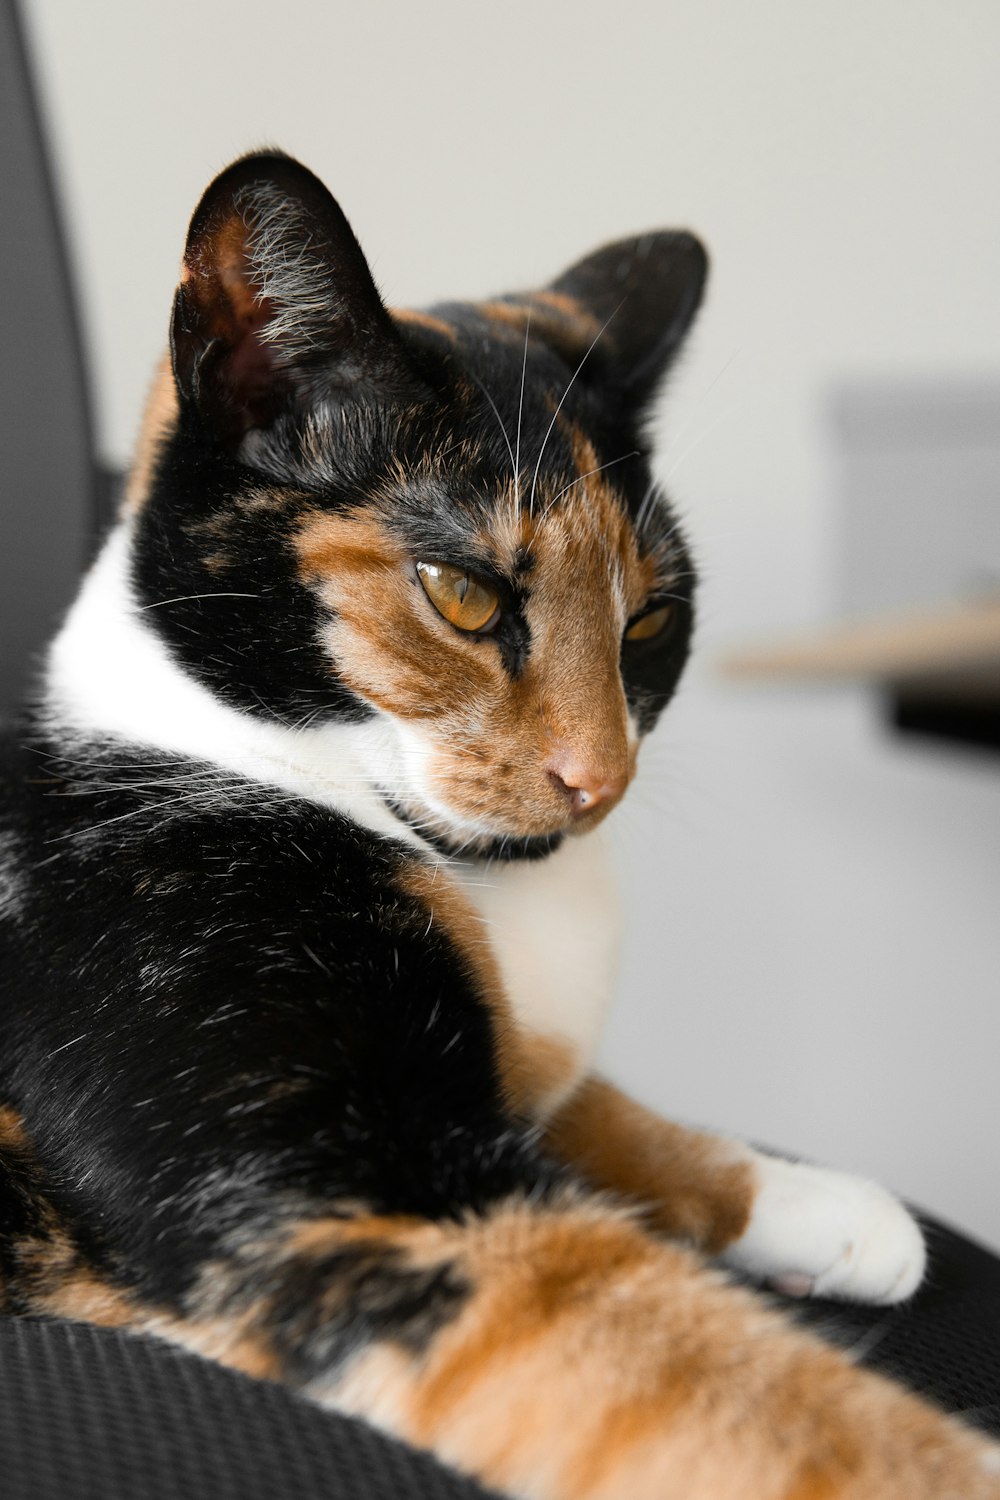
pixel 464 600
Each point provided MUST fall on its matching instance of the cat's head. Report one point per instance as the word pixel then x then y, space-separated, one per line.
pixel 445 520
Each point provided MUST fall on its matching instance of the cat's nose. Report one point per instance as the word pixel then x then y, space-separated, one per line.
pixel 586 787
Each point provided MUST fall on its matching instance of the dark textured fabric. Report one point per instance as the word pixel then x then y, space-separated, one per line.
pixel 90 1414
pixel 946 1342
pixel 93 1414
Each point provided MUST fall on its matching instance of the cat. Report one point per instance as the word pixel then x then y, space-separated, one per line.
pixel 306 921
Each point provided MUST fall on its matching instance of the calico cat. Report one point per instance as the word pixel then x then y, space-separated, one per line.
pixel 306 930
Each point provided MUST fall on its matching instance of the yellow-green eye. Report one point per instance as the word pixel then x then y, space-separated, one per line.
pixel 648 626
pixel 464 600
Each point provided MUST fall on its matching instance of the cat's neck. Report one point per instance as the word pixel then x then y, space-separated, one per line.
pixel 110 676
pixel 552 924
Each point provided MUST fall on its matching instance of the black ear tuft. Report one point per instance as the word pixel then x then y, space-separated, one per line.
pixel 276 304
pixel 644 292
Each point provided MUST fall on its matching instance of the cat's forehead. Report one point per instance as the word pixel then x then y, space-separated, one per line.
pixel 495 400
pixel 502 437
pixel 506 464
pixel 450 485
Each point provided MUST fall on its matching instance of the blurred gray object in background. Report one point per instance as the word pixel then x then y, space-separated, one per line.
pixel 920 491
pixel 49 477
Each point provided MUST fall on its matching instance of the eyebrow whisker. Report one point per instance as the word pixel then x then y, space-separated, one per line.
pixel 503 429
pixel 520 410
pixel 562 399
pixel 581 477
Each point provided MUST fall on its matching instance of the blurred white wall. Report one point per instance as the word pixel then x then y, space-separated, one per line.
pixel 815 931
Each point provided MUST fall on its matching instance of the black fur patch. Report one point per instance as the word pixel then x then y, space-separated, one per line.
pixel 331 1308
pixel 249 982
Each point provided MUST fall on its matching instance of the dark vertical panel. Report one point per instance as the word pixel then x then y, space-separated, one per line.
pixel 47 470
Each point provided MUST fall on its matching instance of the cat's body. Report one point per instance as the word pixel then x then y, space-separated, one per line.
pixel 308 935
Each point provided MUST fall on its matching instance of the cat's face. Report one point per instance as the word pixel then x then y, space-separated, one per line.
pixel 442 521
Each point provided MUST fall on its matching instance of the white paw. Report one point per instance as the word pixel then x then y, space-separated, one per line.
pixel 818 1233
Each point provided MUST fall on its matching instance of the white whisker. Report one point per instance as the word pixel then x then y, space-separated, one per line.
pixel 520 411
pixel 562 399
pixel 183 598
pixel 581 477
pixel 647 505
pixel 503 429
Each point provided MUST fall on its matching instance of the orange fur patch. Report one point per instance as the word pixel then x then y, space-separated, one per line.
pixel 693 1186
pixel 58 1281
pixel 158 419
pixel 504 315
pixel 223 1341
pixel 65 1288
pixel 53 1275
pixel 569 308
pixel 553 316
pixel 426 320
pixel 217 534
pixel 591 1363
pixel 389 643
pixel 12 1131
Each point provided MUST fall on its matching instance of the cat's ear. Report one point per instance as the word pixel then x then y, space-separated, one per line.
pixel 638 298
pixel 276 304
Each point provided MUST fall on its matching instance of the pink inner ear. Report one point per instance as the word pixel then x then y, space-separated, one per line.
pixel 220 281
pixel 251 370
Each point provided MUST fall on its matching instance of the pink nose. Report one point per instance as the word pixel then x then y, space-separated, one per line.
pixel 586 787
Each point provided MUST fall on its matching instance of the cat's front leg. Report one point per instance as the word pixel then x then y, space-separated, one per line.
pixel 805 1230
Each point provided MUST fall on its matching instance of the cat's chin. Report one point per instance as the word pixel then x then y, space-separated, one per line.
pixel 458 843
pixel 515 847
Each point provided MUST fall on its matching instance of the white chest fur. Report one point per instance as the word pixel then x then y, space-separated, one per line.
pixel 554 928
pixel 109 674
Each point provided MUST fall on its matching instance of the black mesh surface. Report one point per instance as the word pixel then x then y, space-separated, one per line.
pixel 90 1414
pixel 946 1342
pixel 93 1414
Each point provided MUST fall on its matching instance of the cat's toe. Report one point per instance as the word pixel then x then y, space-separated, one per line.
pixel 813 1232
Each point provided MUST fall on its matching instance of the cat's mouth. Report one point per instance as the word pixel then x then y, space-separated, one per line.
pixel 457 842
pixel 457 837
pixel 468 801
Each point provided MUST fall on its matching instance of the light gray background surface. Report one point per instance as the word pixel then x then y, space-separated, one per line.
pixel 814 924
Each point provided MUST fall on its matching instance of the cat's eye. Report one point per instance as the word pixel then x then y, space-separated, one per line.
pixel 464 600
pixel 649 625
